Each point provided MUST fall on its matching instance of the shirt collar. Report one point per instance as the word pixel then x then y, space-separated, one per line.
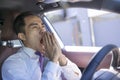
pixel 30 52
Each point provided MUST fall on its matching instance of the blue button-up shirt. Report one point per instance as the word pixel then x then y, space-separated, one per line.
pixel 24 65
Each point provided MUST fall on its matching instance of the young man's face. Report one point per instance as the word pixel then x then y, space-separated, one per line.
pixel 34 30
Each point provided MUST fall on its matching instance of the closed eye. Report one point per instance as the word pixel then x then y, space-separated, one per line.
pixel 35 26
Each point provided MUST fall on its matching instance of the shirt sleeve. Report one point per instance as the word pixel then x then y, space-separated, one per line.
pixel 51 71
pixel 71 71
pixel 11 70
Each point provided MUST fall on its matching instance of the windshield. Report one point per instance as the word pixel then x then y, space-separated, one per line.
pixel 86 27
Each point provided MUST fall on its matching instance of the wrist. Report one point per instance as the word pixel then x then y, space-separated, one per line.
pixel 62 61
pixel 55 60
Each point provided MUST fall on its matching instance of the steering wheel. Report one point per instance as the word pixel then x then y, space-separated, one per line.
pixel 98 57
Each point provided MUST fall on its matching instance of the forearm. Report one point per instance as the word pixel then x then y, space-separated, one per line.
pixel 51 71
pixel 71 71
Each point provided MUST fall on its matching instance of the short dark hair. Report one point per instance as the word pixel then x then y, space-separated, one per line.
pixel 19 23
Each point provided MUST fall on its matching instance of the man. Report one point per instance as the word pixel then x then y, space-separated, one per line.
pixel 27 63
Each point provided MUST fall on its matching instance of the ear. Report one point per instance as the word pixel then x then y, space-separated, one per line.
pixel 21 36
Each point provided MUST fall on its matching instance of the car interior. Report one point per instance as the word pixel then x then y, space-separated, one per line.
pixel 88 61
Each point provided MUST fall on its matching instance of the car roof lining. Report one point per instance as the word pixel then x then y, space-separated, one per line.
pixel 30 5
pixel 21 5
pixel 108 5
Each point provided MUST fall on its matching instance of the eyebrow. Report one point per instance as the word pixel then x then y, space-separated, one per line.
pixel 33 24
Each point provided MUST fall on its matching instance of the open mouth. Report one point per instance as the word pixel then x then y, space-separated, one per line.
pixel 41 41
pixel 42 46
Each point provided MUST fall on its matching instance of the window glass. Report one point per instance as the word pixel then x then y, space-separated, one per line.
pixel 86 27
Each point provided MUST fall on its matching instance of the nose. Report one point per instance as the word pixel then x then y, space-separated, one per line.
pixel 43 29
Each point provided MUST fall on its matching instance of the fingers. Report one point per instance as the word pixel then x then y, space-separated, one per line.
pixel 48 43
pixel 52 48
pixel 49 39
pixel 53 39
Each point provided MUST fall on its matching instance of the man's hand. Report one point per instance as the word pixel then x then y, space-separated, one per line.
pixel 62 60
pixel 52 48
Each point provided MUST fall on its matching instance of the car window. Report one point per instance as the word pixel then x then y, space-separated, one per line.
pixel 85 27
